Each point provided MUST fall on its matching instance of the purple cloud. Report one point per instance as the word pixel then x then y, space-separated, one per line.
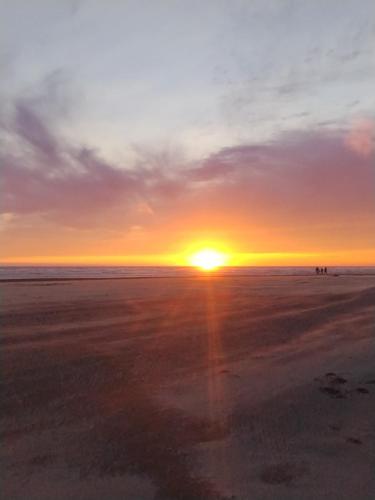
pixel 33 132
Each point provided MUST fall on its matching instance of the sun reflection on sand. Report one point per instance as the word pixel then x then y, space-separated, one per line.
pixel 216 390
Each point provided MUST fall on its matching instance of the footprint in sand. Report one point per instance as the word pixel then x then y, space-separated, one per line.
pixel 282 473
pixel 353 440
pixel 335 428
pixel 362 390
pixel 338 380
pixel 333 380
pixel 332 392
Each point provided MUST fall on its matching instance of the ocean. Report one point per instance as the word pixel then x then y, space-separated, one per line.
pixel 67 272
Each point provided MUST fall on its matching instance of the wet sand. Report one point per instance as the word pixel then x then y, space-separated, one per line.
pixel 212 388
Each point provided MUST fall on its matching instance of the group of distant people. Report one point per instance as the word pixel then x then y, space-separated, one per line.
pixel 321 270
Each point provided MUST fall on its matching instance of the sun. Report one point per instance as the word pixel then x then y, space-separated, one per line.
pixel 208 259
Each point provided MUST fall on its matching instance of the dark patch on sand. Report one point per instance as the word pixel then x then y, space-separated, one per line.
pixel 338 380
pixel 335 379
pixel 282 473
pixel 331 380
pixel 362 390
pixel 332 392
pixel 118 426
pixel 42 460
pixel 334 427
pixel 55 379
pixel 229 373
pixel 139 436
pixel 353 440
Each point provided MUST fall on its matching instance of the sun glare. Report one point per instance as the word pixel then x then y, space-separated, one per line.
pixel 208 259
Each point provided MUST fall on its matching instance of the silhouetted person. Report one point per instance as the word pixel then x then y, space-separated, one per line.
pixel 325 270
pixel 317 270
pixel 321 270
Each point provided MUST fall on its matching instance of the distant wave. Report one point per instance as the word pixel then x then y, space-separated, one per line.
pixel 59 272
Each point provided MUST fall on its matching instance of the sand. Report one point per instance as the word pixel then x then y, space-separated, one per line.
pixel 214 388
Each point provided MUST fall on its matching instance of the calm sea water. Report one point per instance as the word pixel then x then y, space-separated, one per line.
pixel 35 272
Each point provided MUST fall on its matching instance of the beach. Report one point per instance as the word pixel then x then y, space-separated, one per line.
pixel 185 388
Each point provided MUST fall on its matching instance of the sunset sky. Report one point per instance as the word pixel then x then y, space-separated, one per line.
pixel 135 132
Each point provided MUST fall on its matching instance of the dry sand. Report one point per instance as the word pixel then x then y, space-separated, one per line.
pixel 246 388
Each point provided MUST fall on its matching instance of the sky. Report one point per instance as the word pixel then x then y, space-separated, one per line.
pixel 135 132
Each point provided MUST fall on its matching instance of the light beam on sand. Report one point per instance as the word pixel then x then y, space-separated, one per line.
pixel 216 387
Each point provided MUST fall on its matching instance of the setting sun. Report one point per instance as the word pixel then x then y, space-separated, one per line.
pixel 208 259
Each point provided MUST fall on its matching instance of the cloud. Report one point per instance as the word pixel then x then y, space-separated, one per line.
pixel 361 137
pixel 43 174
pixel 308 68
pixel 32 131
pixel 299 174
pixel 321 179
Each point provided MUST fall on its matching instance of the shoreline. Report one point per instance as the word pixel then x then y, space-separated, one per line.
pixel 203 276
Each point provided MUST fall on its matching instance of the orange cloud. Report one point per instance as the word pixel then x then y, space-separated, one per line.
pixel 361 137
